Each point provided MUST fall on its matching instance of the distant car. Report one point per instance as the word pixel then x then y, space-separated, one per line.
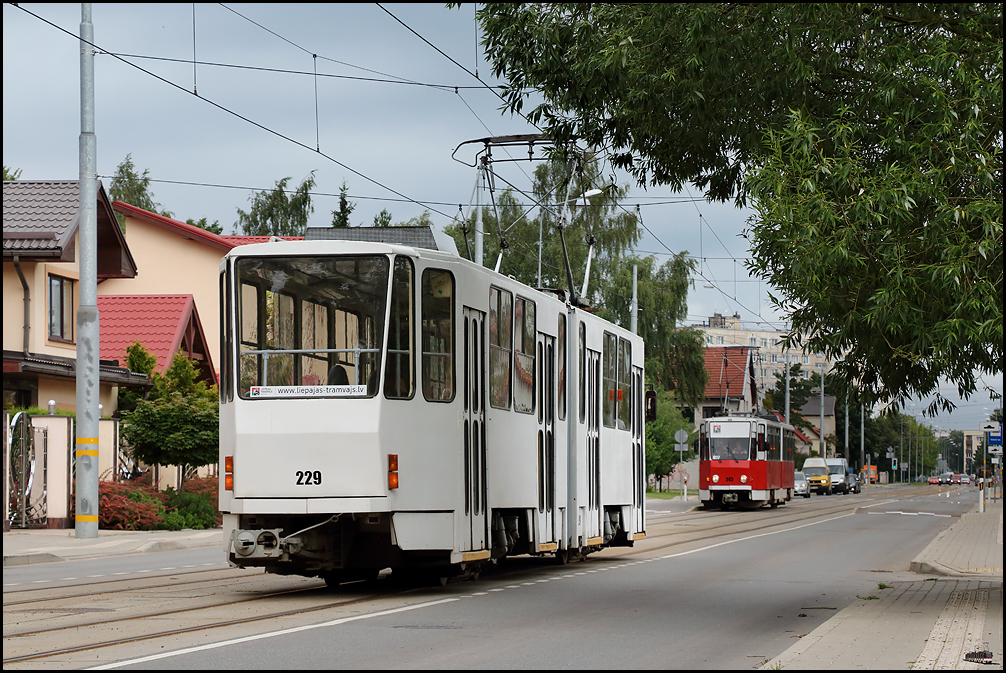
pixel 945 478
pixel 955 479
pixel 965 479
pixel 853 482
pixel 800 485
pixel 934 479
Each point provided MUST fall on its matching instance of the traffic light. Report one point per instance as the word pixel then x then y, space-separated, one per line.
pixel 894 463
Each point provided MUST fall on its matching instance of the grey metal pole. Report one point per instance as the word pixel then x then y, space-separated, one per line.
pixel 478 218
pixel 86 522
pixel 633 320
pixel 824 450
pixel 862 430
pixel 847 426
pixel 787 387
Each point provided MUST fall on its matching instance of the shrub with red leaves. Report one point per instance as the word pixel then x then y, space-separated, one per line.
pixel 127 505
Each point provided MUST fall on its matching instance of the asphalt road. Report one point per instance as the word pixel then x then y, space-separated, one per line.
pixel 706 589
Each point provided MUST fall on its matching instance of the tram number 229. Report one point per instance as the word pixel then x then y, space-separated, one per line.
pixel 308 477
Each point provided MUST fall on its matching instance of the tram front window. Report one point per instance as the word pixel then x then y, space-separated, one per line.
pixel 311 326
pixel 729 448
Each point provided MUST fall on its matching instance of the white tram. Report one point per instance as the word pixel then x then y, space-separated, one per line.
pixel 388 406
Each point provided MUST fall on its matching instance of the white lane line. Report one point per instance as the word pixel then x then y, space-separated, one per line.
pixel 262 636
pixel 345 620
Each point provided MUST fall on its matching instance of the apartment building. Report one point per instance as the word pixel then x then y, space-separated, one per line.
pixel 770 356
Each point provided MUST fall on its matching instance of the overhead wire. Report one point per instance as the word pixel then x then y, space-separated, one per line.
pixel 235 114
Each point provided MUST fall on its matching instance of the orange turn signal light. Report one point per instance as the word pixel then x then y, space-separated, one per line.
pixel 228 473
pixel 228 463
pixel 392 470
pixel 228 482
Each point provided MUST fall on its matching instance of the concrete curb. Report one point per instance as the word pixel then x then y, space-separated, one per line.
pixel 30 559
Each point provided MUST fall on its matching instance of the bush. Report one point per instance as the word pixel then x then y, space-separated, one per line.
pixel 188 510
pixel 209 487
pixel 126 505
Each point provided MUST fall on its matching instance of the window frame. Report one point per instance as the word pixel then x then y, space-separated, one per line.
pixel 66 309
pixel 425 355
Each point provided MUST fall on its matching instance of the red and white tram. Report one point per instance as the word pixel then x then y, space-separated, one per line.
pixel 745 461
pixel 390 406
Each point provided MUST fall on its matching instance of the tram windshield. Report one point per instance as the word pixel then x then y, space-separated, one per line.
pixel 729 448
pixel 311 326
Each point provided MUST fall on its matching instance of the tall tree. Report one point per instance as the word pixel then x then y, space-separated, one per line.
pixel 203 224
pixel 340 217
pixel 868 138
pixel 133 188
pixel 383 218
pixel 274 213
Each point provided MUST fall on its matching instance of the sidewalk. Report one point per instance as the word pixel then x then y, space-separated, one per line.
pixel 928 624
pixel 25 547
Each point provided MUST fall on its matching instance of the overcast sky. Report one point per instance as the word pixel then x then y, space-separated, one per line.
pixel 380 137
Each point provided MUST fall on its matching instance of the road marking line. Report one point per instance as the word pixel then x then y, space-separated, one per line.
pixel 282 632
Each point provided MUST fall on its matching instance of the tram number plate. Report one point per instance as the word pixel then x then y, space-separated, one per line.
pixel 308 477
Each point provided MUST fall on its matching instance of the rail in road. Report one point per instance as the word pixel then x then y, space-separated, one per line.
pixel 118 614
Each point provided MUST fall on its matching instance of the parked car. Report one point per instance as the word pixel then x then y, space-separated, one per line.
pixel 853 481
pixel 800 485
pixel 934 479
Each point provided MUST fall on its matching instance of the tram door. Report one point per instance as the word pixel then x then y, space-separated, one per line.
pixel 638 455
pixel 473 523
pixel 545 383
pixel 593 445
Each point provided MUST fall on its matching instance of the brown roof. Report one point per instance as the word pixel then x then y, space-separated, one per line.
pixel 41 219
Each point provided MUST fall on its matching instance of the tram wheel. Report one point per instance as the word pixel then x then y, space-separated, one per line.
pixel 562 557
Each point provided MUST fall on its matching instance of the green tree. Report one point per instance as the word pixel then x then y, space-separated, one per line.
pixel 11 173
pixel 383 218
pixel 133 188
pixel 800 390
pixel 868 138
pixel 674 354
pixel 141 361
pixel 340 217
pixel 273 213
pixel 179 424
pixel 203 224
pixel 661 456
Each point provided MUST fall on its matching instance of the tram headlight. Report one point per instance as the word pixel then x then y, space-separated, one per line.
pixel 744 479
pixel 716 478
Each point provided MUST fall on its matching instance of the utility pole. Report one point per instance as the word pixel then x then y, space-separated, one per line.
pixel 633 320
pixel 86 458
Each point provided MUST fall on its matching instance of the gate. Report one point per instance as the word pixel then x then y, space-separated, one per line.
pixel 27 472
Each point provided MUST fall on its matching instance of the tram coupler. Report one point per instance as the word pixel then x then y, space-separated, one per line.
pixel 729 499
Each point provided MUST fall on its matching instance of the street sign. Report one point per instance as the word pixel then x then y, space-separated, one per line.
pixel 681 436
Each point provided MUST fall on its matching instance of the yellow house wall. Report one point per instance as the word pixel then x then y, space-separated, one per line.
pixel 168 263
pixel 62 390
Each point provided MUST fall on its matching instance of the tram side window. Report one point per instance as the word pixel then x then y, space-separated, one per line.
pixel 562 367
pixel 582 345
pixel 523 355
pixel 623 407
pixel 774 440
pixel 610 383
pixel 226 388
pixel 500 332
pixel 399 377
pixel 438 335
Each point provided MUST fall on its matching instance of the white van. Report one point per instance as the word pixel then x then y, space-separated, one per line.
pixel 838 469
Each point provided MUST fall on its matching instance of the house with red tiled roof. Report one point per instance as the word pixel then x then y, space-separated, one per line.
pixel 165 324
pixel 731 388
pixel 177 258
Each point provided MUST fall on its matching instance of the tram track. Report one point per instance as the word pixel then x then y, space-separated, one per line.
pixel 90 634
